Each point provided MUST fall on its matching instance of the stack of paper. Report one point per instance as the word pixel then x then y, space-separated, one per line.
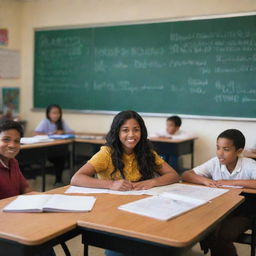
pixel 35 139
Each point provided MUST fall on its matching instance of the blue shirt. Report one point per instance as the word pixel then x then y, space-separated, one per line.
pixel 48 127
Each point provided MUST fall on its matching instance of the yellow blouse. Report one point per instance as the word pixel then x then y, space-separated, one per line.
pixel 103 165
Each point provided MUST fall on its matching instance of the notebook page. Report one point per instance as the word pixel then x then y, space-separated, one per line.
pixel 179 191
pixel 161 208
pixel 27 203
pixel 64 203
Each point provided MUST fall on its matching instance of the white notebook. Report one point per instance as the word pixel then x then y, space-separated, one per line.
pixel 170 204
pixel 51 203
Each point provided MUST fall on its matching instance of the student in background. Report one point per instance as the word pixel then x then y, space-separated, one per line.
pixel 173 131
pixel 228 168
pixel 126 162
pixel 54 124
pixel 12 182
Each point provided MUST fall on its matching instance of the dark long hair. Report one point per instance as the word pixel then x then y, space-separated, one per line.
pixel 143 150
pixel 59 124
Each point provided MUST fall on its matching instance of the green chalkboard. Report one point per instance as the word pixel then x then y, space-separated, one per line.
pixel 199 67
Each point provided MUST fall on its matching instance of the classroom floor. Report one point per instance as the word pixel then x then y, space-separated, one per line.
pixel 75 245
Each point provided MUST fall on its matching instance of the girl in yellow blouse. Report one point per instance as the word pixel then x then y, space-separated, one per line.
pixel 127 161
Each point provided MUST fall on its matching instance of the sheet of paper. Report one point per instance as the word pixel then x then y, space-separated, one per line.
pixel 158 207
pixel 84 190
pixel 185 191
pixel 230 186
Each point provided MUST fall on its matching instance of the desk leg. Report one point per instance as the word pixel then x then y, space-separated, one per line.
pixel 86 246
pixel 71 158
pixel 192 154
pixel 43 164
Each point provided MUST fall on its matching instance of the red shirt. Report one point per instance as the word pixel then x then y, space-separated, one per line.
pixel 12 182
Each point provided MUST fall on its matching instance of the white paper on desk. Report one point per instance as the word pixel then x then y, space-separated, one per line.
pixel 90 137
pixel 190 191
pixel 35 139
pixel 84 190
pixel 231 186
pixel 160 207
pixel 50 203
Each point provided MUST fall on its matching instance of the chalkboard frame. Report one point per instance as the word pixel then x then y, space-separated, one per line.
pixel 110 112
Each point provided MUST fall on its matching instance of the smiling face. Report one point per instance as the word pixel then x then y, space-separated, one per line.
pixel 227 153
pixel 9 144
pixel 129 135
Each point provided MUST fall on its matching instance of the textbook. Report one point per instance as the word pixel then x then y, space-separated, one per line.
pixel 50 203
pixel 61 136
pixel 176 201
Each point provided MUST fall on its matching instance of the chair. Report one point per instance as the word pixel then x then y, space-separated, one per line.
pixel 65 249
pixel 249 238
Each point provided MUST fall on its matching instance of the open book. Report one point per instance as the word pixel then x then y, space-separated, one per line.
pixel 50 203
pixel 179 199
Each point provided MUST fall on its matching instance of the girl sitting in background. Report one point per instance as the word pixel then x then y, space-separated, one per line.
pixel 54 124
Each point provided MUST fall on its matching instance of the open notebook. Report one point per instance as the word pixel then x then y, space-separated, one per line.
pixel 50 203
pixel 179 199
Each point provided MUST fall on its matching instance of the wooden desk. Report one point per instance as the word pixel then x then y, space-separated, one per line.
pixel 163 146
pixel 24 234
pixel 39 152
pixel 177 148
pixel 113 229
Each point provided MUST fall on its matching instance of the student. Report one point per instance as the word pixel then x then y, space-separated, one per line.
pixel 12 182
pixel 228 168
pixel 54 124
pixel 126 162
pixel 173 131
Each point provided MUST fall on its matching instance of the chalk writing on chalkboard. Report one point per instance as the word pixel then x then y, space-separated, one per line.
pixel 199 67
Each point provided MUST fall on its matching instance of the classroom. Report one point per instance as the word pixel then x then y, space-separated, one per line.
pixel 22 17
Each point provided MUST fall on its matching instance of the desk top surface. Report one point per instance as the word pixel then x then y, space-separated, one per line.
pixel 95 140
pixel 46 144
pixel 36 228
pixel 181 231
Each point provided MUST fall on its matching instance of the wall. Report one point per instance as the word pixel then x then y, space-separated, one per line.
pixel 50 13
pixel 10 18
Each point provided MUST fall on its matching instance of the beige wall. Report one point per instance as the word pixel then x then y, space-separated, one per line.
pixel 50 13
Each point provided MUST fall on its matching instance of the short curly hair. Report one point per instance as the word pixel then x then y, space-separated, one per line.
pixel 11 125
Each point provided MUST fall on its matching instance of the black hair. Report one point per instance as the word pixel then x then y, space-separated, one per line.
pixel 11 125
pixel 143 150
pixel 176 120
pixel 234 135
pixel 59 123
